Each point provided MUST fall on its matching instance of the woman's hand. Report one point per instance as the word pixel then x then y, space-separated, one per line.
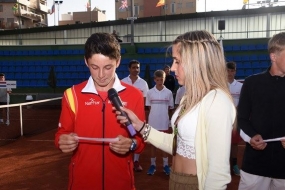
pixel 137 123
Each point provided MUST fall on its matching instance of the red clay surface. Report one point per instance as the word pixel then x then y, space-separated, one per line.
pixel 32 162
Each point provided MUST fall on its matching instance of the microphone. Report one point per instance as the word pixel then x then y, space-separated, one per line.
pixel 116 101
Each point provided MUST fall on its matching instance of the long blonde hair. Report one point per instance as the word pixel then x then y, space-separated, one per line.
pixel 204 65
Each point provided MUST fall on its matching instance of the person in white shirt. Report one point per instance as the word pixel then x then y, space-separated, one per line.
pixel 159 100
pixel 235 88
pixel 179 94
pixel 4 100
pixel 135 80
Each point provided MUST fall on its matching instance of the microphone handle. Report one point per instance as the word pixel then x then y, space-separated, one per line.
pixel 117 103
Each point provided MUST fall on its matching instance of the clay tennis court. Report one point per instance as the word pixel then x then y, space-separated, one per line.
pixel 32 161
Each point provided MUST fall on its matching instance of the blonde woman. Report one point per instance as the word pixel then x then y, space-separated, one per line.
pixel 202 124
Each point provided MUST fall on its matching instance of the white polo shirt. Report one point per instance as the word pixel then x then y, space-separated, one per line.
pixel 160 101
pixel 140 83
pixel 179 94
pixel 235 88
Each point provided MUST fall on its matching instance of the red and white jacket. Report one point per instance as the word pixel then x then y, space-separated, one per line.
pixel 95 165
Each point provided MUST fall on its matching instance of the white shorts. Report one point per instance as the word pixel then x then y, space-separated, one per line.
pixel 255 182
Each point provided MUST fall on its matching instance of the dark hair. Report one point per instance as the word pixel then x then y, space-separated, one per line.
pixel 133 62
pixel 2 75
pixel 166 66
pixel 231 65
pixel 102 43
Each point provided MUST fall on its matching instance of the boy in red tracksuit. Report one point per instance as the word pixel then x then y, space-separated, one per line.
pixel 87 112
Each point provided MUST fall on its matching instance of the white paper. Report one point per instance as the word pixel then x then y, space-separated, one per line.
pixel 271 140
pixel 98 139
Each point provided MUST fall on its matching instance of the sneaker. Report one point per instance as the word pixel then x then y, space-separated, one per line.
pixel 151 170
pixel 137 166
pixel 166 169
pixel 236 170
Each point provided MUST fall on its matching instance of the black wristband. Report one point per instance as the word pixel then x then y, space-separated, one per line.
pixel 142 127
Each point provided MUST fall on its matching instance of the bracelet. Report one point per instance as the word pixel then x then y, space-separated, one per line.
pixel 146 131
pixel 142 127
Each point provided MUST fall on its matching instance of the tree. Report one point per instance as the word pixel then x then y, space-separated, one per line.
pixel 52 78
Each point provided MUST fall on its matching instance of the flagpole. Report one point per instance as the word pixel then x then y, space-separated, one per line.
pixel 54 12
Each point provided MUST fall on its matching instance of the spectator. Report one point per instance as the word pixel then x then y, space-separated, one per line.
pixel 261 112
pixel 235 88
pixel 135 80
pixel 202 124
pixel 159 100
pixel 170 80
pixel 87 112
pixel 4 100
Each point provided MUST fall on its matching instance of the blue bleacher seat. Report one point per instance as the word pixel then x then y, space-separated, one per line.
pixel 140 50
pixel 62 52
pixel 12 52
pixel 163 50
pixel 5 69
pixel 248 72
pixel 244 47
pixel 72 68
pixel 65 68
pixel 9 76
pixel 19 52
pixel 56 52
pixel 229 58
pixel 237 58
pixel 245 58
pixel 240 73
pixel 246 65
pixel 18 76
pixel 32 75
pixel 39 76
pixel 228 48
pixel 31 52
pixel 236 47
pixel 261 46
pixel 263 57
pixel 25 75
pixel 123 50
pixel 146 60
pixel 37 52
pixel 6 52
pixel 69 52
pixel 251 47
pixel 32 68
pixel 161 60
pixel 255 71
pixel 25 52
pixel 153 60
pixel 147 50
pixel 155 50
pixel 253 57
pixel 264 64
pixel 255 64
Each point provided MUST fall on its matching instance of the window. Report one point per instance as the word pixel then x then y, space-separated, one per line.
pixel 189 5
pixel 1 21
pixel 172 8
pixel 10 20
pixel 1 8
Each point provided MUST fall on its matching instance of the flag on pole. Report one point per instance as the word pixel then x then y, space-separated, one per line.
pixel 15 7
pixel 88 5
pixel 124 4
pixel 160 3
pixel 52 9
pixel 245 1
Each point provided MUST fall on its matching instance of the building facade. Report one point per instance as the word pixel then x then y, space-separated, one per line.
pixel 15 14
pixel 147 8
pixel 96 15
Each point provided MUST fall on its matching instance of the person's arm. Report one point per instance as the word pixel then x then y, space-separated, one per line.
pixel 65 139
pixel 244 110
pixel 219 116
